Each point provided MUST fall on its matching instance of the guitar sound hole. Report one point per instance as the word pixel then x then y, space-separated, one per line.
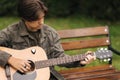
pixel 31 69
pixel 32 65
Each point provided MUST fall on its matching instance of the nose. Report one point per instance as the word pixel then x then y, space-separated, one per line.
pixel 41 21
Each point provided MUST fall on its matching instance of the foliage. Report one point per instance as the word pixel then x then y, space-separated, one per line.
pixel 100 9
pixel 61 7
pixel 8 7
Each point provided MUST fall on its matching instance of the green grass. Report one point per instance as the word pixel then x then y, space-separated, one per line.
pixel 78 22
pixel 5 21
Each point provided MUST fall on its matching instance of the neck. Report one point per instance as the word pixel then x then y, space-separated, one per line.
pixel 31 29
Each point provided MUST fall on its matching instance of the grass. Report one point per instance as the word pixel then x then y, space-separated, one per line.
pixel 78 22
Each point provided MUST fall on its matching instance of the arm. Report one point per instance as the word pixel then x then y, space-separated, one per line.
pixel 4 42
pixel 57 51
pixel 6 58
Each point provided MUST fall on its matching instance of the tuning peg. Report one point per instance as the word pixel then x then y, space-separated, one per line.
pixel 106 49
pixel 108 59
pixel 101 49
pixel 105 60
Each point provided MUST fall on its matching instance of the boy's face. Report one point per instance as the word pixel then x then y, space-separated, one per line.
pixel 35 25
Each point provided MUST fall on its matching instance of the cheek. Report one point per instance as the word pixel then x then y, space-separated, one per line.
pixel 42 21
pixel 35 24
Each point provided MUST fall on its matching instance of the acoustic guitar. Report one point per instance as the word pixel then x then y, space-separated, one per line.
pixel 40 63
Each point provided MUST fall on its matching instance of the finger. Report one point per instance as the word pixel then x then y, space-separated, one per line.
pixel 83 62
pixel 24 69
pixel 28 66
pixel 89 52
pixel 86 59
pixel 21 70
pixel 92 57
pixel 89 57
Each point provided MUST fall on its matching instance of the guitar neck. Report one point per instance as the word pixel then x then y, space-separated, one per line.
pixel 57 61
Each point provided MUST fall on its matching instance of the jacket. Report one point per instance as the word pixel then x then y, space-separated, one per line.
pixel 17 36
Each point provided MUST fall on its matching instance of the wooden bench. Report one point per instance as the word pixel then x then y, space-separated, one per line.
pixel 104 72
pixel 91 37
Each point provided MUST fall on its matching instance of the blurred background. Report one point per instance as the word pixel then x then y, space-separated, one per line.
pixel 103 9
pixel 69 14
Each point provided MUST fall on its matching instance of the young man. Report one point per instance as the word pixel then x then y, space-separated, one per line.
pixel 31 31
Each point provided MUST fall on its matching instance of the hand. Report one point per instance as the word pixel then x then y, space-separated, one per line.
pixel 89 58
pixel 19 64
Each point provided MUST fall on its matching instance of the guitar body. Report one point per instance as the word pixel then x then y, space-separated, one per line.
pixel 37 56
pixel 26 54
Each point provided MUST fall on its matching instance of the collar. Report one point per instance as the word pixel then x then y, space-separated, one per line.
pixel 23 30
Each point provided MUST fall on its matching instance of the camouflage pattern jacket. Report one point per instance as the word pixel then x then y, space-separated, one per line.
pixel 17 36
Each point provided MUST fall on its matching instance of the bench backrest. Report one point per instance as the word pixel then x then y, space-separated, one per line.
pixel 88 38
pixel 96 37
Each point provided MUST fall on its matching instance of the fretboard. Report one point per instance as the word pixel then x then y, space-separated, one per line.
pixel 57 61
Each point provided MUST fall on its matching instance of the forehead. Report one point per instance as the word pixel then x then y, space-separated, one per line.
pixel 40 14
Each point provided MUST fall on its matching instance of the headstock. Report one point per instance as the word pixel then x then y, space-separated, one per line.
pixel 103 54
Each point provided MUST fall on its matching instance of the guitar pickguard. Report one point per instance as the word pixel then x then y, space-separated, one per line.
pixel 28 76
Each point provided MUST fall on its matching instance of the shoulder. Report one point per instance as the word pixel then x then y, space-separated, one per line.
pixel 8 32
pixel 49 28
pixel 51 32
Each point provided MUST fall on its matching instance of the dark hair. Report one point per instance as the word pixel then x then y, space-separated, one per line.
pixel 28 9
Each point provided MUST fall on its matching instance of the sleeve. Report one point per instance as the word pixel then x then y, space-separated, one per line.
pixel 57 51
pixel 4 42
pixel 3 58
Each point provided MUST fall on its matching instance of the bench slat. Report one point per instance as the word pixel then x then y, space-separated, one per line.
pixel 103 72
pixel 83 32
pixel 80 44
